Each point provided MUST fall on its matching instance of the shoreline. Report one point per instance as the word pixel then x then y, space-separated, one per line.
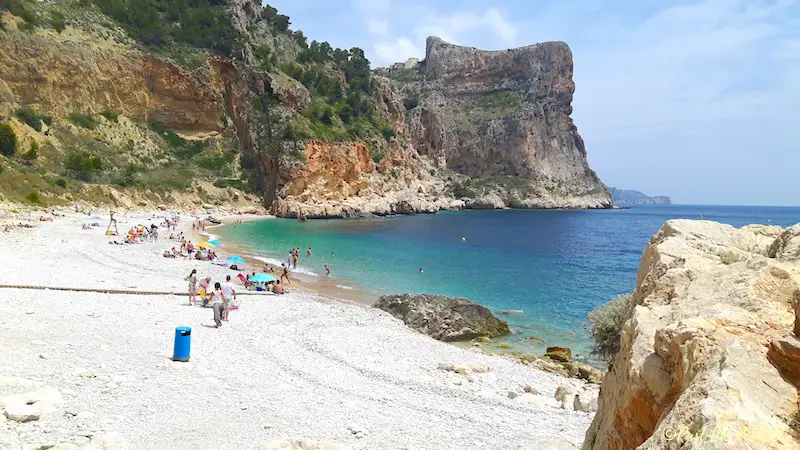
pixel 285 361
pixel 314 284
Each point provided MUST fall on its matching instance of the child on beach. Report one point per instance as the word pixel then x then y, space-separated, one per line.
pixel 192 279
pixel 217 304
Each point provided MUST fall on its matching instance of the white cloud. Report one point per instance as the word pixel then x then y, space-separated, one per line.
pixel 450 26
pixel 397 50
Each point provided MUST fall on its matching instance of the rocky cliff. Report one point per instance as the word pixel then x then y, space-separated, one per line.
pixel 502 118
pixel 306 127
pixel 708 358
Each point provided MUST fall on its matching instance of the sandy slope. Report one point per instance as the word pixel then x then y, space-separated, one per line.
pixel 295 366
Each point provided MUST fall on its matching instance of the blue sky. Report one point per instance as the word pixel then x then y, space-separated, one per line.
pixel 689 98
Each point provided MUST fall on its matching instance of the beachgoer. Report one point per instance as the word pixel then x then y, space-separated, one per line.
pixel 285 273
pixel 192 279
pixel 308 252
pixel 420 270
pixel 183 245
pixel 327 271
pixel 204 294
pixel 228 295
pixel 190 247
pixel 277 288
pixel 217 303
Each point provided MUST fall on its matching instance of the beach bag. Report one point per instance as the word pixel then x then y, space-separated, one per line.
pixel 234 267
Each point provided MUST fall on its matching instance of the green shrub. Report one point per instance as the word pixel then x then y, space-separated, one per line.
pixel 127 177
pixel 605 325
pixel 8 140
pixel 57 21
pixel 83 166
pixel 230 182
pixel 32 153
pixel 729 257
pixel 33 197
pixel 110 115
pixel 32 118
pixel 61 183
pixel 394 173
pixel 182 148
pixel 83 120
pixel 377 154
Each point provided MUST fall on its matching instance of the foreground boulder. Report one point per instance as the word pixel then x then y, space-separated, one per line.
pixel 693 370
pixel 560 354
pixel 443 318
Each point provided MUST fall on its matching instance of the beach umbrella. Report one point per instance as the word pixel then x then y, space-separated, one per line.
pixel 214 243
pixel 262 278
pixel 205 244
pixel 235 259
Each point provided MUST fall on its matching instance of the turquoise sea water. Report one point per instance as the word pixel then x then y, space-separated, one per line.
pixel 555 266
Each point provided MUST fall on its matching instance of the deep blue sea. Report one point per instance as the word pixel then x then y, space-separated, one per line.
pixel 555 266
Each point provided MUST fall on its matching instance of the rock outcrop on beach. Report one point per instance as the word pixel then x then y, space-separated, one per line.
pixel 708 356
pixel 442 317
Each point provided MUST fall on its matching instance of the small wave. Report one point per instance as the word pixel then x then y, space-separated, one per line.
pixel 341 286
pixel 511 312
pixel 277 262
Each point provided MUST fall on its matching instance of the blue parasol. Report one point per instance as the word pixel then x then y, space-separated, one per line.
pixel 235 259
pixel 215 243
pixel 262 278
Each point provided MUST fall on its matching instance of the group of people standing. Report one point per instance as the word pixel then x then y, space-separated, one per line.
pixel 222 298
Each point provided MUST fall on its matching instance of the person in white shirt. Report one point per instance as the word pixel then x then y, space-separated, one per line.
pixel 228 295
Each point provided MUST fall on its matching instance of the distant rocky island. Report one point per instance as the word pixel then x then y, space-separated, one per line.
pixel 627 197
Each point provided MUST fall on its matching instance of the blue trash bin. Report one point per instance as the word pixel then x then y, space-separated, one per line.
pixel 183 344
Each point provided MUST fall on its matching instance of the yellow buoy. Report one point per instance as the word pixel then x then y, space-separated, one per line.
pixel 463 239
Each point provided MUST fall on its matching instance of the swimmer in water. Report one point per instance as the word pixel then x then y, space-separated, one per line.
pixel 308 252
pixel 327 271
pixel 420 270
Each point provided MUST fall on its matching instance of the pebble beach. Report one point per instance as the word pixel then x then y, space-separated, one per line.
pixel 300 366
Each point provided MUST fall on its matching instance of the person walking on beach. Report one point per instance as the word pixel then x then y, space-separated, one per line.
pixel 285 273
pixel 217 304
pixel 228 295
pixel 192 279
pixel 327 271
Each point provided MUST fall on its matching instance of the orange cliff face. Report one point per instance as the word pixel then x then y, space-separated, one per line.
pixel 332 171
pixel 80 72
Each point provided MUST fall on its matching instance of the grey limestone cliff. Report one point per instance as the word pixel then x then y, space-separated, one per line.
pixel 502 118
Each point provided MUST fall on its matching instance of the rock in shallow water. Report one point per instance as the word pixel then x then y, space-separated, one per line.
pixel 561 354
pixel 443 318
